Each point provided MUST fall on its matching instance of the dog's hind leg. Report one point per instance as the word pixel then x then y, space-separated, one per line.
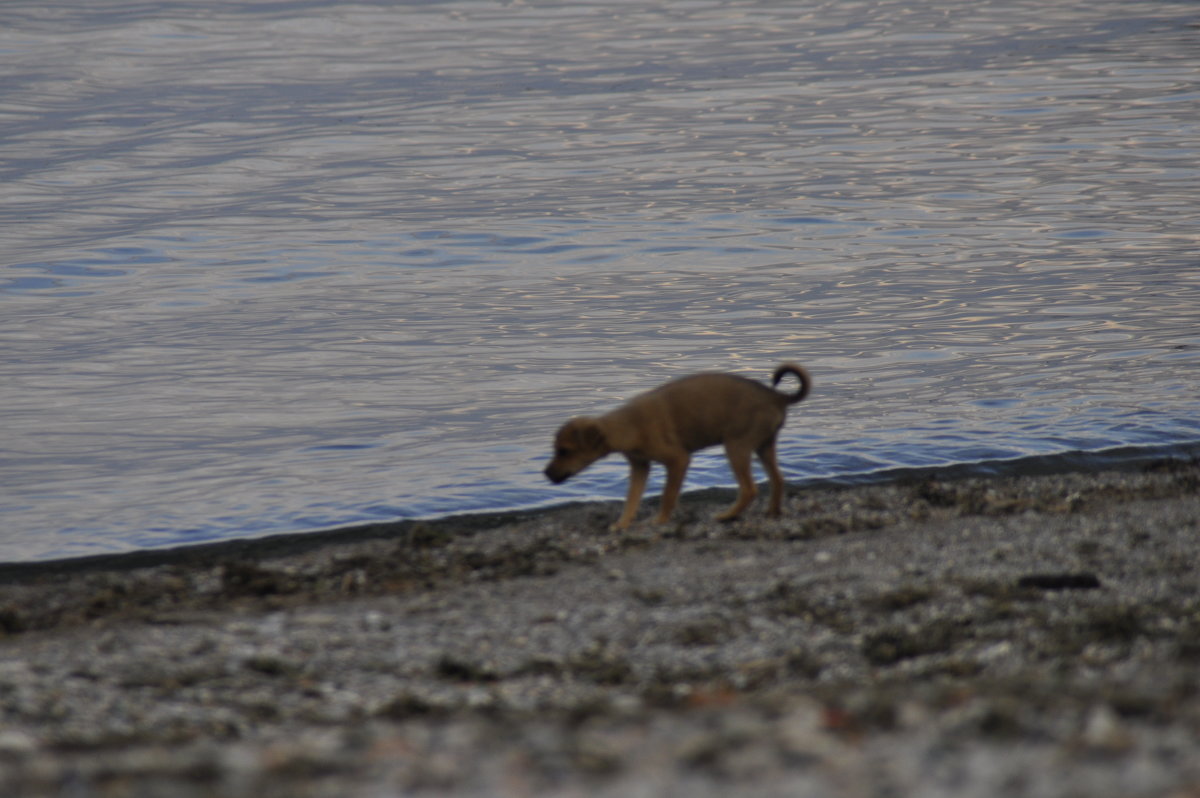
pixel 639 471
pixel 766 455
pixel 676 471
pixel 739 462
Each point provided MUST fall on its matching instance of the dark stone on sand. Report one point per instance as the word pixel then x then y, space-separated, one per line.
pixel 1079 581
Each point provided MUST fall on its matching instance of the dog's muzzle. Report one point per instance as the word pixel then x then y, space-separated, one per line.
pixel 556 475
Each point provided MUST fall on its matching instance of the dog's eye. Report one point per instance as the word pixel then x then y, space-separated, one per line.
pixel 560 452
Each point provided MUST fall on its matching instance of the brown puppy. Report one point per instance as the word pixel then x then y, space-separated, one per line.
pixel 667 424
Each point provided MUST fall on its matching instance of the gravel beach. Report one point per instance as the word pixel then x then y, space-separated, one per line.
pixel 1006 636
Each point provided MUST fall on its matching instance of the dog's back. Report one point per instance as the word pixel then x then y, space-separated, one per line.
pixel 709 408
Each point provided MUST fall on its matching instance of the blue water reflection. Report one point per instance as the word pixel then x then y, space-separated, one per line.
pixel 289 266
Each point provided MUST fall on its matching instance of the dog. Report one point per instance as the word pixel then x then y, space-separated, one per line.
pixel 667 424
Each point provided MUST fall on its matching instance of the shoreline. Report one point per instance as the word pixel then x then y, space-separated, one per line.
pixel 1115 459
pixel 1016 635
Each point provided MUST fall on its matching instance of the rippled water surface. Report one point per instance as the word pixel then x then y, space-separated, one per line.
pixel 278 266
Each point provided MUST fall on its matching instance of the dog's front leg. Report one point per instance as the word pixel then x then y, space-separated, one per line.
pixel 639 471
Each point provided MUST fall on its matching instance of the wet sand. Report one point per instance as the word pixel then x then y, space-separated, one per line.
pixel 1032 636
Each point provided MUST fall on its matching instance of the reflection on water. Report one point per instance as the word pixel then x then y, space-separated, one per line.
pixel 272 267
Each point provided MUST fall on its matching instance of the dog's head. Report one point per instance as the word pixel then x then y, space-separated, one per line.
pixel 579 443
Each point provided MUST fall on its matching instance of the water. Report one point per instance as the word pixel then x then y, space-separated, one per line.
pixel 280 266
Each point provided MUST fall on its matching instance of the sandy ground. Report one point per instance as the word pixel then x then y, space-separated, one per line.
pixel 1035 636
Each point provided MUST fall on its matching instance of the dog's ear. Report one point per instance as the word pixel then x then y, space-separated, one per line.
pixel 588 435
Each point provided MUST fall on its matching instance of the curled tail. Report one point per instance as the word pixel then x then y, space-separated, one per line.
pixel 800 373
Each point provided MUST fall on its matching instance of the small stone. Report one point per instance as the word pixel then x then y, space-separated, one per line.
pixel 1103 729
pixel 375 621
pixel 14 742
